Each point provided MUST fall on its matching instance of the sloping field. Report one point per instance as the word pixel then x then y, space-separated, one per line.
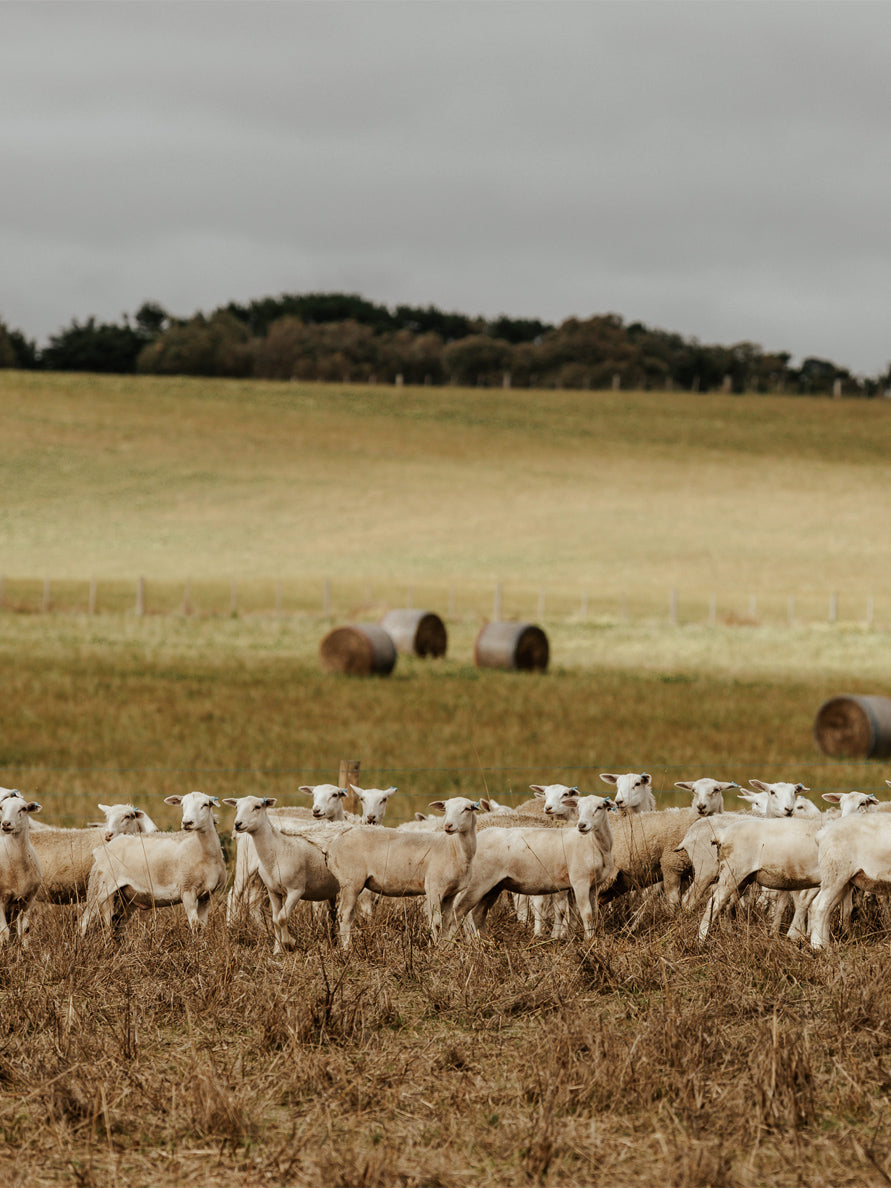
pixel 613 493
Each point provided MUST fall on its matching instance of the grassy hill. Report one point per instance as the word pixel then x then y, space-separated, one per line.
pixel 610 493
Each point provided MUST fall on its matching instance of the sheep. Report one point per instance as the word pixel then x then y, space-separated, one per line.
pixel 634 791
pixel 780 854
pixel 546 801
pixel 66 855
pixel 327 805
pixel 499 810
pixel 159 869
pixel 708 794
pixel 435 864
pixel 851 852
pixel 536 861
pixel 291 867
pixel 20 872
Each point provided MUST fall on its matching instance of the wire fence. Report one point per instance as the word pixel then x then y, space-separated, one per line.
pixel 347 598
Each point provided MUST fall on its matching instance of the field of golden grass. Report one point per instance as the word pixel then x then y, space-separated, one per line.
pixel 633 1060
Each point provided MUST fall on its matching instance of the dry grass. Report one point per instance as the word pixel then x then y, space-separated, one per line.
pixel 629 1061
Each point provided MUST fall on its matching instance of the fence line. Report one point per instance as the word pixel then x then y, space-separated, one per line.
pixel 350 599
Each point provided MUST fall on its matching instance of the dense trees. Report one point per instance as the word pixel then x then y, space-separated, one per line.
pixel 344 337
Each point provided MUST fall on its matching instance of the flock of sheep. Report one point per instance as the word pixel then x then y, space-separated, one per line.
pixel 558 849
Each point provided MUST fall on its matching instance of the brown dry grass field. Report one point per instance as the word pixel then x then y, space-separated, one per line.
pixel 635 1059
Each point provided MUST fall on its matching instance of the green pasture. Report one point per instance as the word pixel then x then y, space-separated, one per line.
pixel 261 515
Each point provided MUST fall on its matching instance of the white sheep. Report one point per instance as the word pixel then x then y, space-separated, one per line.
pixel 159 869
pixel 854 851
pixel 634 791
pixel 66 855
pixel 536 861
pixel 247 890
pixel 708 794
pixel 388 862
pixel 19 865
pixel 777 853
pixel 291 867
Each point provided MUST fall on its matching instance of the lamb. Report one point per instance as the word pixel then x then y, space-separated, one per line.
pixel 708 794
pixel 159 869
pixel 780 854
pixel 634 791
pixel 536 861
pixel 327 805
pixel 546 801
pixel 291 867
pixel 852 852
pixel 435 864
pixel 19 866
pixel 66 855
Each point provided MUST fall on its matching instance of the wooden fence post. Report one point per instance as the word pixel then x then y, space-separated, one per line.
pixel 348 775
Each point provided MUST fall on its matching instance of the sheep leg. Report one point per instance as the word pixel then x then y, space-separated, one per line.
pixel 560 906
pixel 4 925
pixel 281 911
pixel 539 905
pixel 521 907
pixel 584 899
pixel 827 897
pixel 346 911
pixel 802 900
pixel 190 903
pixel 726 888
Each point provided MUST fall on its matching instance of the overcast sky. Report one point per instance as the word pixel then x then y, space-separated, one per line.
pixel 714 168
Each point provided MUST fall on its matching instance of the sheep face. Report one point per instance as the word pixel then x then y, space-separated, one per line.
pixel 374 803
pixel 122 818
pixel 634 791
pixel 15 814
pixel 327 800
pixel 593 812
pixel 708 795
pixel 458 812
pixel 554 797
pixel 250 812
pixel 852 802
pixel 197 810
pixel 781 797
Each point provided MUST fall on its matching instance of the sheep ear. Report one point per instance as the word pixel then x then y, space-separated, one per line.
pixel 873 799
pixel 105 807
pixel 485 806
pixel 173 800
pixel 759 785
pixel 538 789
pixel 888 782
pixel 726 787
pixel 32 807
pixel 268 801
pixel 307 788
pixel 646 777
pixel 420 817
pixel 391 790
pixel 687 785
pixel 438 804
pixel 799 788
pixel 609 778
pixel 341 792
pixel 832 797
pixel 569 798
pixel 231 801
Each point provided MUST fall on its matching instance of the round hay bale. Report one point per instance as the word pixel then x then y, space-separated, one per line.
pixel 858 727
pixel 512 645
pixel 418 632
pixel 361 649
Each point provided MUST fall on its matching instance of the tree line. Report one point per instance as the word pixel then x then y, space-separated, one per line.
pixel 342 337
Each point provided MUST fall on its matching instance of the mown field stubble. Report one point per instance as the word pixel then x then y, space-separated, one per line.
pixel 633 1060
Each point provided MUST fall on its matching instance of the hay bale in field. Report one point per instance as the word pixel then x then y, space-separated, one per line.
pixel 855 726
pixel 418 632
pixel 360 649
pixel 512 645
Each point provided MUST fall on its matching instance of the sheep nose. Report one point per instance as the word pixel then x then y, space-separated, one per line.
pixel 7 827
pixel 109 836
pixel 789 812
pixel 700 808
pixel 317 812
